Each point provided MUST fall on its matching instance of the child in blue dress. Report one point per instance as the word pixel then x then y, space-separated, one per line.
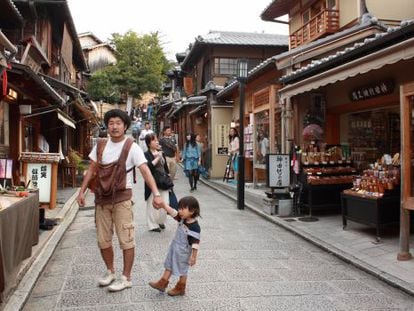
pixel 184 248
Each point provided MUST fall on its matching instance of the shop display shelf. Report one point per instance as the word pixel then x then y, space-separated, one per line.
pixel 371 211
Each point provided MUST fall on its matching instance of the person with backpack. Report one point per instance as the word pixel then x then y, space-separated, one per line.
pixel 170 150
pixel 136 129
pixel 111 165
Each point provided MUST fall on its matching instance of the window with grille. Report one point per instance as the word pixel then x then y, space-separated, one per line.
pixel 331 4
pixel 228 66
pixel 225 66
pixel 306 16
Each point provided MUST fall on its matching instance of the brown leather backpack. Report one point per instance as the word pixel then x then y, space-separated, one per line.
pixel 110 181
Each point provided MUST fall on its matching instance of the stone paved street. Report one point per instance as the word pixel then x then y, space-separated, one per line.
pixel 245 263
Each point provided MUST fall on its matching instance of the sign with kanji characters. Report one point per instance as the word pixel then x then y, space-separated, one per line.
pixel 222 139
pixel 40 175
pixel 373 90
pixel 278 170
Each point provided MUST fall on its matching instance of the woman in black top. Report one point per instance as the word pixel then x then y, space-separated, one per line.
pixel 156 161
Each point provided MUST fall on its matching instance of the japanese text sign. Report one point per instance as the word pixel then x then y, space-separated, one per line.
pixel 278 170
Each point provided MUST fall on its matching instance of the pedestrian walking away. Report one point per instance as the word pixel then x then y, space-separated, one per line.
pixel 192 160
pixel 144 132
pixel 112 162
pixel 183 250
pixel 158 166
pixel 170 150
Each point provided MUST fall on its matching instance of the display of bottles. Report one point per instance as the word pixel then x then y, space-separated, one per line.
pixel 377 180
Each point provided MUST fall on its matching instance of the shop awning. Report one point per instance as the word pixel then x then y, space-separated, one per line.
pixel 94 107
pixel 23 79
pixel 60 115
pixel 65 118
pixel 198 109
pixel 390 55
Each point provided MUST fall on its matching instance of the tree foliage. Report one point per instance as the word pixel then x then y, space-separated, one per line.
pixel 141 66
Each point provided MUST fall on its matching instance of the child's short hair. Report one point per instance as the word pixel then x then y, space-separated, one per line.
pixel 192 204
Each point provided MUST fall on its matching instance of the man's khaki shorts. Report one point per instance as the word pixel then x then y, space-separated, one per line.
pixel 120 216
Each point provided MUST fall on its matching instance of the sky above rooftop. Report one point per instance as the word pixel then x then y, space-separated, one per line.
pixel 178 22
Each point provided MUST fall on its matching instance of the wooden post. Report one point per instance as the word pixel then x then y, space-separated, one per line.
pixel 406 183
pixel 53 186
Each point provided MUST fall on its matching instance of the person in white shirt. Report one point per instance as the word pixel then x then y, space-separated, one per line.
pixel 147 130
pixel 114 211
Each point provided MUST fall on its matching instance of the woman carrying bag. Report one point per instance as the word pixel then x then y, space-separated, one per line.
pixel 159 169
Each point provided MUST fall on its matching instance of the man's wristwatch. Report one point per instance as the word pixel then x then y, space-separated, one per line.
pixel 157 194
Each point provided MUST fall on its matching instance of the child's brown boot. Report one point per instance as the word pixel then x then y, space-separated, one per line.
pixel 161 284
pixel 178 290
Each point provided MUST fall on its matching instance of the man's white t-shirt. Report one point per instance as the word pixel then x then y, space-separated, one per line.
pixel 142 143
pixel 112 152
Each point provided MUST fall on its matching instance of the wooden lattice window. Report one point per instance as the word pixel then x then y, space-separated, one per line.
pixel 261 98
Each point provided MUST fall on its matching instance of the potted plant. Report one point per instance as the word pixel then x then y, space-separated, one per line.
pixel 74 158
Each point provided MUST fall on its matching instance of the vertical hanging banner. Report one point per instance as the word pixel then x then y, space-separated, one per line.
pixel 40 174
pixel 278 170
pixel 222 132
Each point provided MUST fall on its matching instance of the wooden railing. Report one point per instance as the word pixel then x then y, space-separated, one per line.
pixel 326 22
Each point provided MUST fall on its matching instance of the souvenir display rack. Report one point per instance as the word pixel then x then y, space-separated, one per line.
pixel 325 174
pixel 374 199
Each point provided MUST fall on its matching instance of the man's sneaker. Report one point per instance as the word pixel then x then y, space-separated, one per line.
pixel 120 284
pixel 107 279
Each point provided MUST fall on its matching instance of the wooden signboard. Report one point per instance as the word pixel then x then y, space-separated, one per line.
pixel 41 170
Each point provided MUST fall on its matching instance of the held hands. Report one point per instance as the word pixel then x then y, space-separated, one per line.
pixel 80 199
pixel 192 260
pixel 158 202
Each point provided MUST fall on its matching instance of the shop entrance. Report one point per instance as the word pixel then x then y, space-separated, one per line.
pixel 371 134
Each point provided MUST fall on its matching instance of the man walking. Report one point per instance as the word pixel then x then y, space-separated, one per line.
pixel 147 130
pixel 169 148
pixel 113 193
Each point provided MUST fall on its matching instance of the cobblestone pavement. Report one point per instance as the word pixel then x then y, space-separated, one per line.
pixel 245 263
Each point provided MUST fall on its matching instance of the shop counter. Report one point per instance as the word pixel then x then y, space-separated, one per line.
pixel 19 231
pixel 371 211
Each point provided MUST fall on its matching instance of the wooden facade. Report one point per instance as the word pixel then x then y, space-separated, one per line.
pixel 349 88
pixel 47 102
pixel 98 54
pixel 208 67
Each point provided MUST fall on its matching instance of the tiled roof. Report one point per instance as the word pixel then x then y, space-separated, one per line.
pixel 232 38
pixel 340 55
pixel 243 38
pixel 211 86
pixel 10 16
pixel 90 34
pixel 195 100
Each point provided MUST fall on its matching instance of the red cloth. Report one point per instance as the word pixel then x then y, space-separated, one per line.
pixel 4 93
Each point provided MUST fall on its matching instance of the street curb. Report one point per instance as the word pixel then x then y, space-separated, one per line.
pixel 25 286
pixel 387 278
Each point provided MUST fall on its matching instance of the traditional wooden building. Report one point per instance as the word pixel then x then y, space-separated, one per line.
pixel 98 54
pixel 209 65
pixel 46 103
pixel 262 120
pixel 350 80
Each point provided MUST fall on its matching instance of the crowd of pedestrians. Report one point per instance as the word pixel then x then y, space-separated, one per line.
pixel 112 165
